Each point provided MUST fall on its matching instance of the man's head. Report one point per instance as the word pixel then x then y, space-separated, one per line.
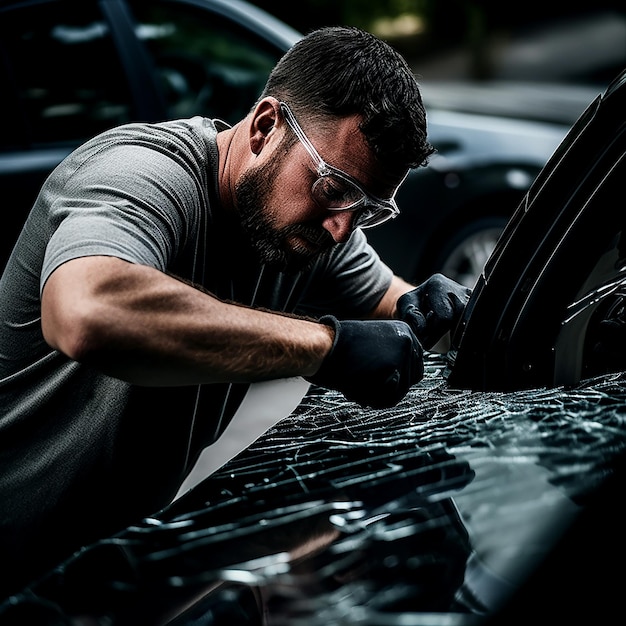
pixel 342 71
pixel 335 131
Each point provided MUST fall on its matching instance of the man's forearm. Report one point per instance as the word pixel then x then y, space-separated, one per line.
pixel 386 308
pixel 135 323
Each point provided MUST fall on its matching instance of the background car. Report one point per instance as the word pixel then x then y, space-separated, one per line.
pixel 454 210
pixel 71 69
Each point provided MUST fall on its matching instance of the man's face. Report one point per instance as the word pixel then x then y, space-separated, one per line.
pixel 278 211
pixel 289 246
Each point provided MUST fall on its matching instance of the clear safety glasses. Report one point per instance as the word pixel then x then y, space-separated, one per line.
pixel 337 191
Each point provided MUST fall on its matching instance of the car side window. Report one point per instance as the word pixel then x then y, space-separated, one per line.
pixel 67 80
pixel 207 65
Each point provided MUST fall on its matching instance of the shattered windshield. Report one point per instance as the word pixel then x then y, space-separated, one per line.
pixel 443 505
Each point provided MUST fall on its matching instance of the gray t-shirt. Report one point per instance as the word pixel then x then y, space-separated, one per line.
pixel 82 454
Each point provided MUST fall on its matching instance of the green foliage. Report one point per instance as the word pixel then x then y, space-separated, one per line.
pixel 362 13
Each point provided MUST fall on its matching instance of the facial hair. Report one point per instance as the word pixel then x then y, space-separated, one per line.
pixel 253 192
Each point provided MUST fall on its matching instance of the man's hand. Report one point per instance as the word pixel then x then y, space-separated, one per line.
pixel 433 308
pixel 372 362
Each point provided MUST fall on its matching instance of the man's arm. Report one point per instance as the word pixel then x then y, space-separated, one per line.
pixel 136 323
pixel 386 308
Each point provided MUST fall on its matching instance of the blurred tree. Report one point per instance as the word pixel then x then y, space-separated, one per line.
pixel 362 13
pixel 425 28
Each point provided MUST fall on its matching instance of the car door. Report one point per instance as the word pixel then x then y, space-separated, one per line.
pixel 62 82
pixel 70 69
pixel 209 58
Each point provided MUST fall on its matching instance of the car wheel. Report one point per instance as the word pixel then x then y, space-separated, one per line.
pixel 464 257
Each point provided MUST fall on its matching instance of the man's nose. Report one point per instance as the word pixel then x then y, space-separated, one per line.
pixel 339 224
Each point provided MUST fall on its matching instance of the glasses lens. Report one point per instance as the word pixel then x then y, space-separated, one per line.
pixel 338 194
pixel 370 216
pixel 333 192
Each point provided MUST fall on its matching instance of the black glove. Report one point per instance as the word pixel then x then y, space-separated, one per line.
pixel 372 362
pixel 433 308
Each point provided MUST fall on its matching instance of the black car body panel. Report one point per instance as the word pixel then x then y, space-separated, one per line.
pixel 452 508
pixel 549 307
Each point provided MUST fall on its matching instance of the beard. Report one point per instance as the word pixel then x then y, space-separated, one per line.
pixel 277 247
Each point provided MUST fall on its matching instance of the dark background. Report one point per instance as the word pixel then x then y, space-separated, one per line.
pixel 479 33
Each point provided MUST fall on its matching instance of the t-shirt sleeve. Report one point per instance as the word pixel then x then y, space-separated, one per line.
pixel 349 282
pixel 127 201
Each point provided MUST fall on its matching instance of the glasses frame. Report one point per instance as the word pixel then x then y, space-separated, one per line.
pixel 380 211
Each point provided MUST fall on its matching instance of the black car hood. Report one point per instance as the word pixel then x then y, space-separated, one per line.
pixel 449 505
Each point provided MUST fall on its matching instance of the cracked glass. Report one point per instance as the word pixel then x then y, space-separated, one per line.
pixel 443 506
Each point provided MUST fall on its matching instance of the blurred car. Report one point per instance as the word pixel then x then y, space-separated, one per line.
pixel 71 69
pixel 492 140
pixel 491 495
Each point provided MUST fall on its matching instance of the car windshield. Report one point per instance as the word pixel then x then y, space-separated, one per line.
pixel 444 505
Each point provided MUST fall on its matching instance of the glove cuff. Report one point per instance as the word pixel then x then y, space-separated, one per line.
pixel 319 377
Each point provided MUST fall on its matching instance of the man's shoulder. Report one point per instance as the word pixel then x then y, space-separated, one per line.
pixel 193 128
pixel 189 142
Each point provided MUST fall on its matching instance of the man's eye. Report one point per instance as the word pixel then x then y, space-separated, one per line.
pixel 333 190
pixel 339 193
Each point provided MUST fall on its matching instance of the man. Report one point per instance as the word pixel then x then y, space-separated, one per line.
pixel 165 267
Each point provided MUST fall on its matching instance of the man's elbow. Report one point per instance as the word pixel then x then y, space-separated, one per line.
pixel 74 333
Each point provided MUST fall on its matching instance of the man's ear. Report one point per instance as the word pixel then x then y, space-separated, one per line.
pixel 264 118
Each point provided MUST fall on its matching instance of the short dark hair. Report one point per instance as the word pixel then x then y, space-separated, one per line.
pixel 338 71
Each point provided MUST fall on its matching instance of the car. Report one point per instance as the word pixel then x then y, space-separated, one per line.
pixel 556 318
pixel 492 140
pixel 72 69
pixel 489 496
